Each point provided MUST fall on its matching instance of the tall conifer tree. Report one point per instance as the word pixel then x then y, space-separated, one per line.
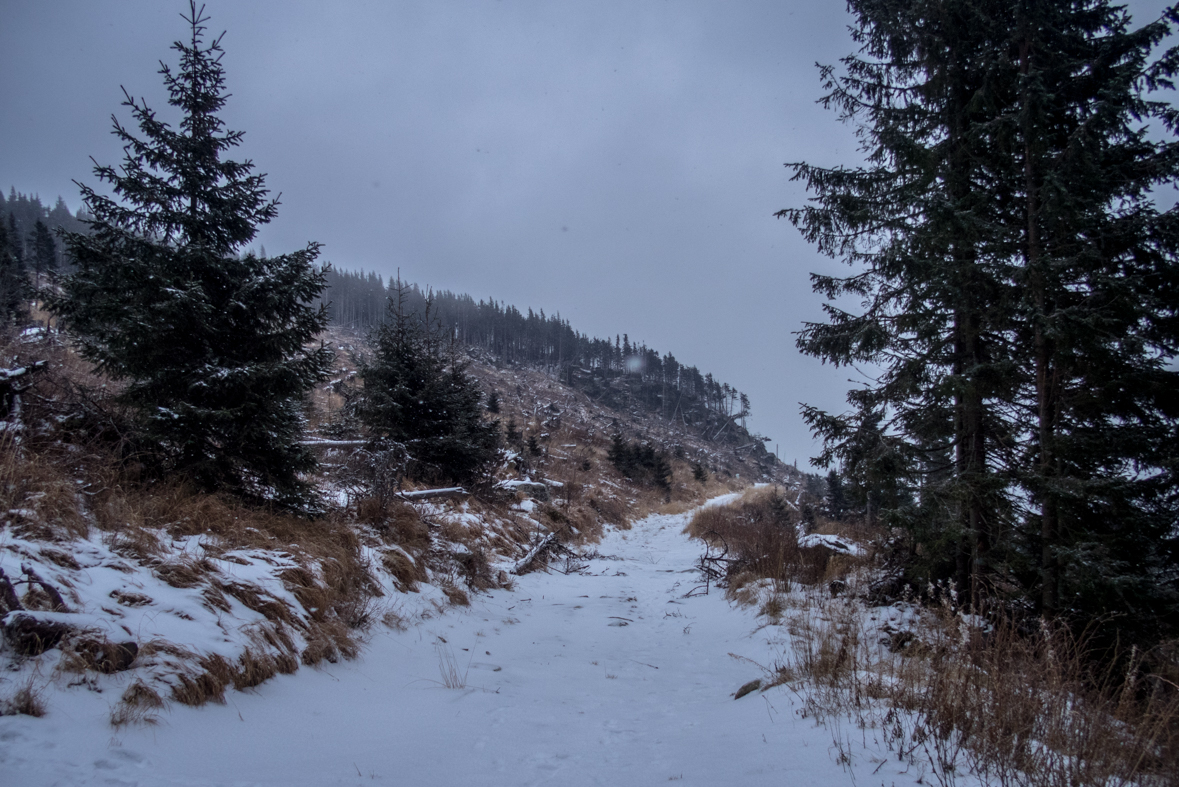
pixel 1020 287
pixel 44 250
pixel 1099 286
pixel 14 281
pixel 214 344
pixel 919 222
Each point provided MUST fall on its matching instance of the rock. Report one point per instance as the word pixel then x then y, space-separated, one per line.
pixel 748 688
pixel 533 489
pixel 107 657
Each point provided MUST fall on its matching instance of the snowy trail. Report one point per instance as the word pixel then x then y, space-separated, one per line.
pixel 609 677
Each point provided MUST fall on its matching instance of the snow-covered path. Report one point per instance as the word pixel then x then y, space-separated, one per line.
pixel 609 677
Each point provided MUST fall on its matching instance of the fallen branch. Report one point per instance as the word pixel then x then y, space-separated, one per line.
pixel 429 494
pixel 523 565
pixel 59 604
pixel 8 598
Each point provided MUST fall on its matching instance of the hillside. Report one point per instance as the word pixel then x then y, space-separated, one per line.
pixel 115 577
pixel 567 621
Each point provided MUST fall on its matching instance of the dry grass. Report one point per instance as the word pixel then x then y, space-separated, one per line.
pixel 453 676
pixel 39 494
pixel 26 700
pixel 950 694
pixel 405 571
pixel 1010 708
pixel 454 594
pixel 206 684
pixel 757 537
pixel 140 704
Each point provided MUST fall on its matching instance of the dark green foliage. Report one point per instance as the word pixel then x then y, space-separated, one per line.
pixel 14 281
pixel 26 210
pixel 44 250
pixel 1019 287
pixel 213 344
pixel 699 474
pixel 417 393
pixel 533 446
pixel 836 500
pixel 513 432
pixel 493 402
pixel 640 462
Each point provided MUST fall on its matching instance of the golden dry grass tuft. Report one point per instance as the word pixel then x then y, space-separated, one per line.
pixel 26 700
pixel 140 704
pixel 405 571
pixel 454 594
pixel 213 673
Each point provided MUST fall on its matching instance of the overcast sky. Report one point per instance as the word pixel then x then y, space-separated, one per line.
pixel 616 162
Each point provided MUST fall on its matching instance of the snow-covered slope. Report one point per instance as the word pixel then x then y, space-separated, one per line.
pixel 611 674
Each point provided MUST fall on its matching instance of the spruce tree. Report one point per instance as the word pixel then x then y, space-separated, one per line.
pixel 417 392
pixel 214 344
pixel 1020 286
pixel 1097 321
pixel 44 250
pixel 14 281
pixel 917 221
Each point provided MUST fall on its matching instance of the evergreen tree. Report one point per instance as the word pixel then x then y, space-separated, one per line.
pixel 1098 283
pixel 640 463
pixel 44 250
pixel 14 281
pixel 417 393
pixel 836 498
pixel 213 344
pixel 1020 287
pixel 919 219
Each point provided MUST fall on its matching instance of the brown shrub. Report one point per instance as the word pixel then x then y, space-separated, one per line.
pixel 403 526
pixel 1007 706
pixel 40 494
pixel 757 533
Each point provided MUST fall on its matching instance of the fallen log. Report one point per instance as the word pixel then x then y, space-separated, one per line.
pixel 31 634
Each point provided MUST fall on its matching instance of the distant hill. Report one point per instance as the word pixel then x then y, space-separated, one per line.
pixel 25 210
pixel 616 373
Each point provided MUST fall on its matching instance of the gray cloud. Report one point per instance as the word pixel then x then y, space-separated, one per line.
pixel 617 162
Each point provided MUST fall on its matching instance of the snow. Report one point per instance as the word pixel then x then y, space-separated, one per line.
pixel 834 543
pixel 608 676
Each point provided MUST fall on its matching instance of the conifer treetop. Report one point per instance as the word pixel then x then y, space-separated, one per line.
pixel 178 187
